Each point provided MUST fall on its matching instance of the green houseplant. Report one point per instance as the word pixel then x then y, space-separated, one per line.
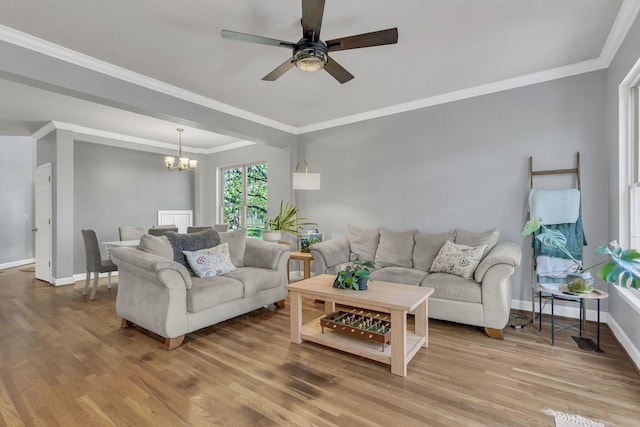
pixel 623 266
pixel 355 275
pixel 287 220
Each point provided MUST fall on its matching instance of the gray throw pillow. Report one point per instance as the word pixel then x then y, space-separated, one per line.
pixel 237 240
pixel 427 247
pixel 395 249
pixel 157 245
pixel 363 242
pixel 191 242
pixel 469 238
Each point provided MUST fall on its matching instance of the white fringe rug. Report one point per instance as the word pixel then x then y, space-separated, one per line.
pixel 567 420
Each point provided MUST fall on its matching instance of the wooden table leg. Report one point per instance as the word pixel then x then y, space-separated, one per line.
pixel 422 322
pixel 399 342
pixel 295 316
pixel 307 268
pixel 329 307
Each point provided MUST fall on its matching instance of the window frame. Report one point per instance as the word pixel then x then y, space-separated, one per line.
pixel 244 205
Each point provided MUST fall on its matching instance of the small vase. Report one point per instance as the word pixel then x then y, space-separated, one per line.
pixel 580 283
pixel 271 235
pixel 362 284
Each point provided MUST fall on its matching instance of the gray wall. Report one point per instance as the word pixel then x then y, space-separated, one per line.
pixel 17 198
pixel 463 164
pixel 116 187
pixel 624 314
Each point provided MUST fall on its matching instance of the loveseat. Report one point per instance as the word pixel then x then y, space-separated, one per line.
pixel 469 272
pixel 157 289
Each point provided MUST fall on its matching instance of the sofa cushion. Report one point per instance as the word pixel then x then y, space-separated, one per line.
pixel 395 248
pixel 470 238
pixel 256 279
pixel 237 240
pixel 191 242
pixel 209 262
pixel 427 246
pixel 207 292
pixel 451 287
pixel 403 275
pixel 157 245
pixel 460 260
pixel 363 242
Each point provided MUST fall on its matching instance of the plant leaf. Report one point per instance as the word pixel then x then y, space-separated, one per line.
pixel 531 226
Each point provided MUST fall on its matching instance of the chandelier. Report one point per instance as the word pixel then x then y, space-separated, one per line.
pixel 183 162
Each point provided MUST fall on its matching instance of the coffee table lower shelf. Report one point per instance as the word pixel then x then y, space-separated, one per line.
pixel 312 331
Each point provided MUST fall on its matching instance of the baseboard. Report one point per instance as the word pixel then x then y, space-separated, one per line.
pixel 81 277
pixel 625 341
pixel 17 263
pixel 63 281
pixel 564 309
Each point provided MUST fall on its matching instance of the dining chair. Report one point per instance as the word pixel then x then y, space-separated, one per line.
pixel 161 231
pixel 131 233
pixel 221 227
pixel 195 229
pixel 95 263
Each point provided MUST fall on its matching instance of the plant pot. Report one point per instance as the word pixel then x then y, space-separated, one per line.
pixel 362 284
pixel 271 235
pixel 580 283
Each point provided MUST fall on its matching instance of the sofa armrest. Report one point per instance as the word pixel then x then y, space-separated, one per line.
pixel 503 253
pixel 147 264
pixel 265 254
pixel 329 254
pixel 152 291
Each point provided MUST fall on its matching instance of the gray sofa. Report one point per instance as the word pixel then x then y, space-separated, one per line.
pixel 159 294
pixel 481 299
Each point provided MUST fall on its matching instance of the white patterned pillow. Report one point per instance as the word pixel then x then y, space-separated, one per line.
pixel 460 260
pixel 209 262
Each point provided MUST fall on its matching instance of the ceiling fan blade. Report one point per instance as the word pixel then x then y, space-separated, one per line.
pixel 234 35
pixel 312 11
pixel 279 71
pixel 337 71
pixel 375 38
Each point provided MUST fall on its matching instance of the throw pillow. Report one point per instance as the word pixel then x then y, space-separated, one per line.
pixel 157 245
pixel 427 247
pixel 237 240
pixel 469 238
pixel 191 242
pixel 460 260
pixel 395 249
pixel 363 242
pixel 209 262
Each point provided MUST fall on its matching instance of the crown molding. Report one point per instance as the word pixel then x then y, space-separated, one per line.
pixel 625 18
pixel 53 50
pixel 82 130
pixel 472 92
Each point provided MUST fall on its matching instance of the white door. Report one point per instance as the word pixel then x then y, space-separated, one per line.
pixel 182 219
pixel 43 222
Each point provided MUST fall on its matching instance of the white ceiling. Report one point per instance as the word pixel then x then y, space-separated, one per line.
pixel 444 46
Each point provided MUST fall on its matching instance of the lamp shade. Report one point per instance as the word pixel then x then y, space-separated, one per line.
pixel 306 181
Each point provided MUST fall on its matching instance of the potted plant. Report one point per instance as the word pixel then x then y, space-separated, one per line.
pixel 355 275
pixel 286 220
pixel 623 266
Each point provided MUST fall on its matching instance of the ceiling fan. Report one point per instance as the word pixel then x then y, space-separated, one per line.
pixel 312 54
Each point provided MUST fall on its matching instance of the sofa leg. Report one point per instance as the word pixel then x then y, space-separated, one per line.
pixel 126 323
pixel 279 304
pixel 494 333
pixel 171 343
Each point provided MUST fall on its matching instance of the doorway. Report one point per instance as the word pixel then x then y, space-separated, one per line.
pixel 43 223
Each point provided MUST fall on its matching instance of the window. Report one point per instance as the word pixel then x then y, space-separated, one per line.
pixel 244 197
pixel 629 170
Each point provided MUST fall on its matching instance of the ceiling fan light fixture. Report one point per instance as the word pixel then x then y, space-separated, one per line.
pixel 310 59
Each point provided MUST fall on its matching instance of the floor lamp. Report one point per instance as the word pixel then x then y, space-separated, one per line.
pixel 303 181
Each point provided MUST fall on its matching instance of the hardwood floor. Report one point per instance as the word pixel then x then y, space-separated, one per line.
pixel 65 361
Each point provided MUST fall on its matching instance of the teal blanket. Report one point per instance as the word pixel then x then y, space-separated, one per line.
pixel 575 240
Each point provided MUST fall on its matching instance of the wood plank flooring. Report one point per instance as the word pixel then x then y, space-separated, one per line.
pixel 65 361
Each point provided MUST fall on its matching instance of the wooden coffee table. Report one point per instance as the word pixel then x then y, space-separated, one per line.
pixel 384 297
